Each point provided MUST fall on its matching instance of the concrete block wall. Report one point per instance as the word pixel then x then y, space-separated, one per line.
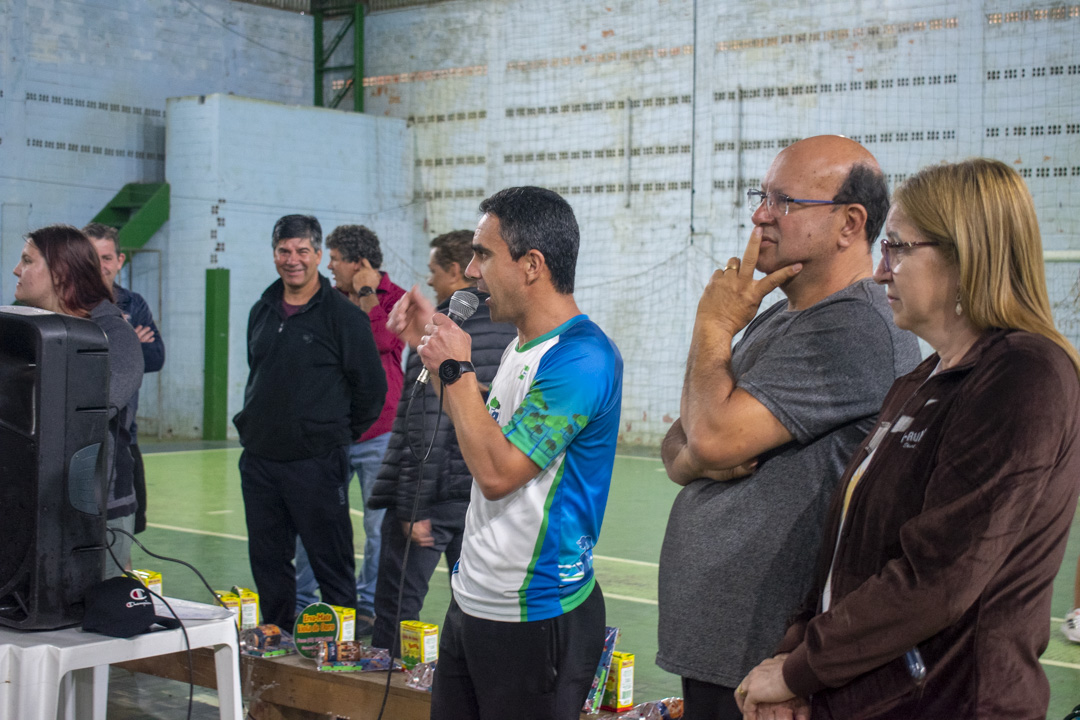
pixel 653 118
pixel 235 166
pixel 83 90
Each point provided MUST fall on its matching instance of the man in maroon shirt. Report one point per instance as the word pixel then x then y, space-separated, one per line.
pixel 355 259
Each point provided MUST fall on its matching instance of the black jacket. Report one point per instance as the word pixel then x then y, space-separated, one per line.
pixel 315 381
pixel 446 477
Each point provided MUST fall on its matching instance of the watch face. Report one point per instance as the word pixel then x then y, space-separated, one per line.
pixel 449 371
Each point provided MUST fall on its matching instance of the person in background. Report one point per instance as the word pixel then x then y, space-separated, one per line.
pixel 445 486
pixel 59 271
pixel 931 596
pixel 137 312
pixel 1071 626
pixel 315 384
pixel 355 259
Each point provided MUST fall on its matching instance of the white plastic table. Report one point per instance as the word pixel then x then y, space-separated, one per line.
pixel 33 665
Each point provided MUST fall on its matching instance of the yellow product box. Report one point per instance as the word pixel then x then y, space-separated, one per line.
pixel 249 607
pixel 346 623
pixel 149 578
pixel 619 691
pixel 231 601
pixel 419 643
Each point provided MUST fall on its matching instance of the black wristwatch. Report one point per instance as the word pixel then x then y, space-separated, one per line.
pixel 451 370
pixel 365 291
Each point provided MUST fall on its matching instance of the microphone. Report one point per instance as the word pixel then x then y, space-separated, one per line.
pixel 462 306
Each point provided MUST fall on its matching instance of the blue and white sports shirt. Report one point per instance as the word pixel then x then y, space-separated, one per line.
pixel 528 556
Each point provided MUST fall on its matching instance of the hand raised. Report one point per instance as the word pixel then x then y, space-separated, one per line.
pixel 443 340
pixel 366 276
pixel 732 297
pixel 409 315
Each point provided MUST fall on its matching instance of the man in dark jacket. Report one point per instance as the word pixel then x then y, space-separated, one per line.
pixel 445 486
pixel 316 383
pixel 137 312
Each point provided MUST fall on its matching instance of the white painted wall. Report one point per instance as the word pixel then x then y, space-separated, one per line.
pixel 511 92
pixel 235 166
pixel 83 89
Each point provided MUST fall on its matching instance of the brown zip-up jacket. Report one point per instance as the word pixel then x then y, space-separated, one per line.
pixel 950 544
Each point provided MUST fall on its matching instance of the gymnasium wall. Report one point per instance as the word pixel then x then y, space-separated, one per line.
pixel 235 166
pixel 653 117
pixel 83 90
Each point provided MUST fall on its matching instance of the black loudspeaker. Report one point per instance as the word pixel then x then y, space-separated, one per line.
pixel 54 389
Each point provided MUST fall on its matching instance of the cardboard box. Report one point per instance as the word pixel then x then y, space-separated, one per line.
pixel 249 607
pixel 619 691
pixel 419 643
pixel 149 578
pixel 231 601
pixel 346 620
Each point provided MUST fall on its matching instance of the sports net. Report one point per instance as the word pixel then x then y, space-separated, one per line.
pixel 653 118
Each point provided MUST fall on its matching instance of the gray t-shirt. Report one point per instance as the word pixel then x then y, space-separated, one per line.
pixel 738 556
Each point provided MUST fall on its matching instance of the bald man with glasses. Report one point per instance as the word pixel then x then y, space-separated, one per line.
pixel 767 425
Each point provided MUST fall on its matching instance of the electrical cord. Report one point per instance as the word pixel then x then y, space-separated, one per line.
pixel 187 642
pixel 421 459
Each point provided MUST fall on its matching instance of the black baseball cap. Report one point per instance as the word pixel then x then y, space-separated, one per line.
pixel 122 607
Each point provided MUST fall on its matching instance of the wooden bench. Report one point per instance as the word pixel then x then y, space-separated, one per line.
pixel 290 688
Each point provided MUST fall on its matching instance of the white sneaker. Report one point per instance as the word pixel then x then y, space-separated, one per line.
pixel 1071 626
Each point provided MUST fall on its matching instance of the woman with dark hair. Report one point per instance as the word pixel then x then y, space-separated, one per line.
pixel 59 271
pixel 934 580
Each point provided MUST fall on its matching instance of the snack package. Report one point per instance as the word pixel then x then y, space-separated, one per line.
pixel 249 607
pixel 150 578
pixel 350 656
pixel 265 641
pixel 619 691
pixel 667 709
pixel 421 676
pixel 231 601
pixel 346 618
pixel 596 692
pixel 419 643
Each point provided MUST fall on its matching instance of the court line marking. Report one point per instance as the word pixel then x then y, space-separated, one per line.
pixel 243 538
pixel 188 452
pixel 614 596
pixel 1058 663
pixel 191 531
pixel 643 563
pixel 628 598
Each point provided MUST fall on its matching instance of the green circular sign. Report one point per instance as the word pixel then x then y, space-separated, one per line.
pixel 315 623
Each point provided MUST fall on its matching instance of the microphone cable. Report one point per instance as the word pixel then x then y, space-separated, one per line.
pixel 421 459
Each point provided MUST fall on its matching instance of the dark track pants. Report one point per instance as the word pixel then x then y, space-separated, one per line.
pixel 706 701
pixel 139 481
pixel 447 528
pixel 306 497
pixel 538 670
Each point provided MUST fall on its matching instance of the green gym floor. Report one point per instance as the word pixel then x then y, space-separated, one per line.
pixel 196 513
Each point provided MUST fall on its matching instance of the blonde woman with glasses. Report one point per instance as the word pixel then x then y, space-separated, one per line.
pixel 932 593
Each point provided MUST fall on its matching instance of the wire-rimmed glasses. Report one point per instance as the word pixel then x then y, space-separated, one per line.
pixel 776 201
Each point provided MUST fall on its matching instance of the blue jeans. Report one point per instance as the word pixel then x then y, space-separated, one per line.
pixel 365 458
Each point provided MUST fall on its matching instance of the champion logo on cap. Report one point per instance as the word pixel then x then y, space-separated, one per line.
pixel 139 597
